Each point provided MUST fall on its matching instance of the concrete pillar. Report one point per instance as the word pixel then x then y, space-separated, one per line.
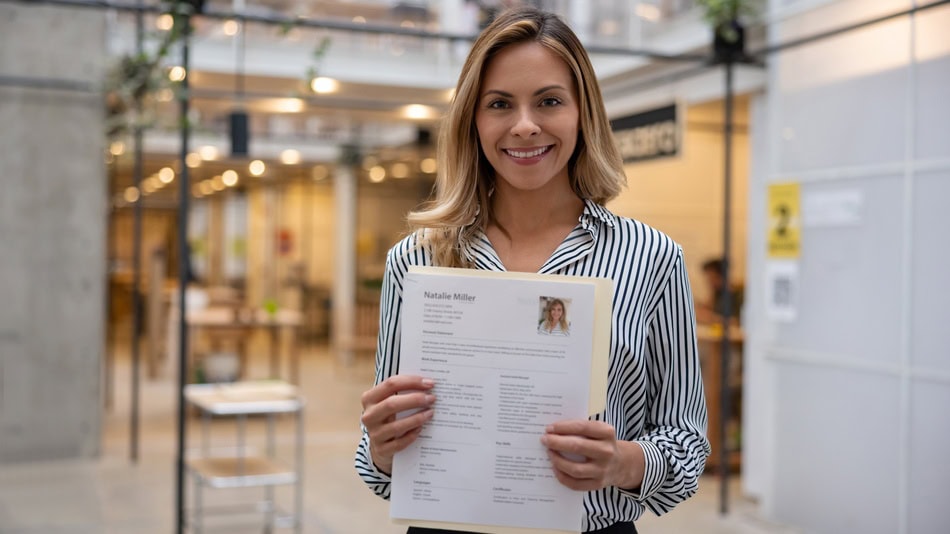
pixel 53 230
pixel 344 287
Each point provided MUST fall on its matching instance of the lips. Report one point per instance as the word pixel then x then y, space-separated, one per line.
pixel 524 153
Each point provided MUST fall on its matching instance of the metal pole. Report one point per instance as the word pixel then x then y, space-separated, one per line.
pixel 109 378
pixel 725 388
pixel 136 254
pixel 184 272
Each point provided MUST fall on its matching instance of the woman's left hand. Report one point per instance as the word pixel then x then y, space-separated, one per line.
pixel 587 456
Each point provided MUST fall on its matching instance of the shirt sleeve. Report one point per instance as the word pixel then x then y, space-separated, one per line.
pixel 674 445
pixel 387 364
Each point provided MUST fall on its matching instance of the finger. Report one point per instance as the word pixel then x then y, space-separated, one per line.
pixel 576 472
pixel 393 385
pixel 397 444
pixel 399 427
pixel 582 427
pixel 578 484
pixel 578 448
pixel 388 408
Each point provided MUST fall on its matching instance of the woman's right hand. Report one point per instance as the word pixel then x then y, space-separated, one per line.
pixel 381 403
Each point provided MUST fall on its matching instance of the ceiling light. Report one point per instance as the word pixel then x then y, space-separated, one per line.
pixel 428 165
pixel 117 148
pixel 206 188
pixel 359 19
pixel 131 194
pixel 229 178
pixel 166 175
pixel 320 172
pixel 217 183
pixel 377 174
pixel 164 22
pixel 230 27
pixel 324 85
pixel 257 167
pixel 417 111
pixel 400 170
pixel 208 152
pixel 289 105
pixel 176 73
pixel 193 160
pixel 290 157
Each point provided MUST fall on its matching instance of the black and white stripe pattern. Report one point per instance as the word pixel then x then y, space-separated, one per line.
pixel 655 392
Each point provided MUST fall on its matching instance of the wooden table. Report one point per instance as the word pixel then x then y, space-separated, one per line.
pixel 241 322
pixel 709 337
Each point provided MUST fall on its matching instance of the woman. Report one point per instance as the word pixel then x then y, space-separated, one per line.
pixel 526 164
pixel 555 321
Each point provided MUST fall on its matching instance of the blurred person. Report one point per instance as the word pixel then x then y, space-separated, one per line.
pixel 526 163
pixel 714 309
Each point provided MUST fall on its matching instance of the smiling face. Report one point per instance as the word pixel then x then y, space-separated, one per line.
pixel 527 118
pixel 557 311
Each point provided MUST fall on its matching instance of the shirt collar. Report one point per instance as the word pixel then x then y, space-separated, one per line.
pixel 476 248
pixel 594 212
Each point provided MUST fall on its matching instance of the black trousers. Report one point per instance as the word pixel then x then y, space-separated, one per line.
pixel 616 528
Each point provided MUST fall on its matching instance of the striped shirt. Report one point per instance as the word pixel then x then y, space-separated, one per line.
pixel 655 391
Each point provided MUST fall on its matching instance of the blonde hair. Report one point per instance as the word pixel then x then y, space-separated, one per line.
pixel 562 322
pixel 460 204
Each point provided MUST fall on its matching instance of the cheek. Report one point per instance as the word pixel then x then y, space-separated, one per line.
pixel 483 130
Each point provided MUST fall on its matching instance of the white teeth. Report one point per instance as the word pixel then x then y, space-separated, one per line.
pixel 531 154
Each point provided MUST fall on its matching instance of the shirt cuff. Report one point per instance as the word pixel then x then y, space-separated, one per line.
pixel 654 472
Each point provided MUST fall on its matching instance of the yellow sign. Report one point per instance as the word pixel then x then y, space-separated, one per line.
pixel 784 240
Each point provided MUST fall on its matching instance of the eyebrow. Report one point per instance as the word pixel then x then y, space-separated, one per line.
pixel 536 93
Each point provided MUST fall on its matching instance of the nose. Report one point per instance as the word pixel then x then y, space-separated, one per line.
pixel 525 125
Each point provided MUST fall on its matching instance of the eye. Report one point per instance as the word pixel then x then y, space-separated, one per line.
pixel 551 101
pixel 497 104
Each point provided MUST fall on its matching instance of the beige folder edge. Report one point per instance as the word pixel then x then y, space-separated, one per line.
pixel 600 359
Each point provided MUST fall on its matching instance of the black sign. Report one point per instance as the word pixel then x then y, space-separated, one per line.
pixel 648 135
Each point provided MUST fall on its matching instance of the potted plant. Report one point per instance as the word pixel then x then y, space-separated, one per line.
pixel 728 20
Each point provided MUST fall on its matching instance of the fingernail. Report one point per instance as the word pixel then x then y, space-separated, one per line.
pixel 544 440
pixel 430 413
pixel 549 428
pixel 428 382
pixel 430 399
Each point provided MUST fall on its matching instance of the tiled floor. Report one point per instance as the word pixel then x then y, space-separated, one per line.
pixel 111 495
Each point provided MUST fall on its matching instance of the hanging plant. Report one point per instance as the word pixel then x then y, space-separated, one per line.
pixel 138 77
pixel 728 20
pixel 316 60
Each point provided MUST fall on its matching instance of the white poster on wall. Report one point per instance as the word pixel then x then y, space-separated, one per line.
pixel 833 208
pixel 781 290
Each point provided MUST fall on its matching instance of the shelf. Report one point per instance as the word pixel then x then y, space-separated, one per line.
pixel 241 472
pixel 248 398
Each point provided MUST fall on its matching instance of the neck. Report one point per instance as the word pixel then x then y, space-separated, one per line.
pixel 524 212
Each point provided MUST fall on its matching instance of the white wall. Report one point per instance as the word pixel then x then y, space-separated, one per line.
pixel 848 422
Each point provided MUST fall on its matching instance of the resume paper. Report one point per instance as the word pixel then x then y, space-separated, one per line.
pixel 509 355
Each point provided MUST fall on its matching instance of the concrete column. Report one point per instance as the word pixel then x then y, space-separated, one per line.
pixel 53 230
pixel 344 286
